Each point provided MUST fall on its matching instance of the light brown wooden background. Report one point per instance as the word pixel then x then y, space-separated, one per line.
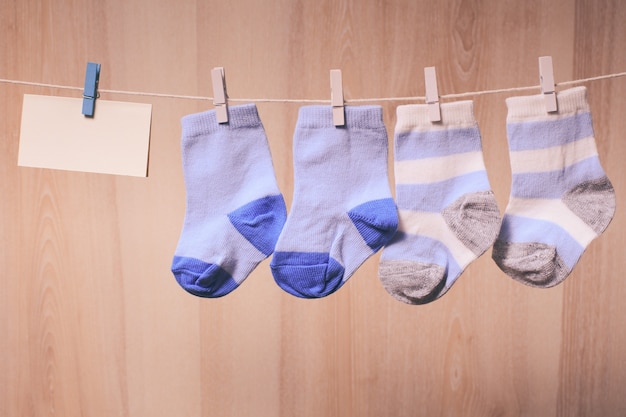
pixel 92 322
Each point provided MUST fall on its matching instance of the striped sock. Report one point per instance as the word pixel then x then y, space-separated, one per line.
pixel 448 214
pixel 234 211
pixel 561 199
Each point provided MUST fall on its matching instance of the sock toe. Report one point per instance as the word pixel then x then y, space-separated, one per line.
pixel 307 275
pixel 412 282
pixel 534 264
pixel 201 278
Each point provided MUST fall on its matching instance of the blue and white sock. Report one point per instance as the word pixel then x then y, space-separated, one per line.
pixel 342 211
pixel 561 198
pixel 235 210
pixel 448 214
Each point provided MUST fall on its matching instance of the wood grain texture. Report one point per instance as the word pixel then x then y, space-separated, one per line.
pixel 93 323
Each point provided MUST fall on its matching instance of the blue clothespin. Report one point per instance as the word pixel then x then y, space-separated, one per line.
pixel 90 93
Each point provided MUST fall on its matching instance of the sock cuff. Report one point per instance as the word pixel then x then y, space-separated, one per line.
pixel 241 116
pixel 569 101
pixel 357 117
pixel 415 116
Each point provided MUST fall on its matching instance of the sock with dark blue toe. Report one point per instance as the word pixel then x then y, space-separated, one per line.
pixel 235 210
pixel 342 211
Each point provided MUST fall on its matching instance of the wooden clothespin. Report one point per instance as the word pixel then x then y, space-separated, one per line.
pixel 336 97
pixel 432 94
pixel 90 91
pixel 220 97
pixel 546 77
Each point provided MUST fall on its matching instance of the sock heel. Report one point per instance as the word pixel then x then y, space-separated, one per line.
pixel 261 221
pixel 475 220
pixel 594 202
pixel 376 221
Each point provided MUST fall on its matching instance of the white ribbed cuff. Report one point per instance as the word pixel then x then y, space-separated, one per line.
pixel 415 116
pixel 569 101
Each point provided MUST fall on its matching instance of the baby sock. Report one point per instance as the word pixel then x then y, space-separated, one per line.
pixel 561 199
pixel 342 210
pixel 448 214
pixel 234 210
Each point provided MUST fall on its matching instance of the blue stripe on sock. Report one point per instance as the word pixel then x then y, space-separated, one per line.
pixel 431 143
pixel 553 184
pixel 436 196
pixel 307 274
pixel 417 248
pixel 518 229
pixel 201 278
pixel 376 221
pixel 529 135
pixel 261 221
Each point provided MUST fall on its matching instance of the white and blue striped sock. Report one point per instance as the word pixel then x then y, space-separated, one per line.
pixel 561 198
pixel 448 214
pixel 235 210
pixel 342 211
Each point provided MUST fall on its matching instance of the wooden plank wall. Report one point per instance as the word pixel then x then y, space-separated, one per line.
pixel 93 323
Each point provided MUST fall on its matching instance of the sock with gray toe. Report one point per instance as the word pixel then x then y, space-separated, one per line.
pixel 561 198
pixel 448 215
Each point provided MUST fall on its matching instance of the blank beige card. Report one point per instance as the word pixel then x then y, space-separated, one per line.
pixel 55 134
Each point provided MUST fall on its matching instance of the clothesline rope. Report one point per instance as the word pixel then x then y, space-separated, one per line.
pixel 280 100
